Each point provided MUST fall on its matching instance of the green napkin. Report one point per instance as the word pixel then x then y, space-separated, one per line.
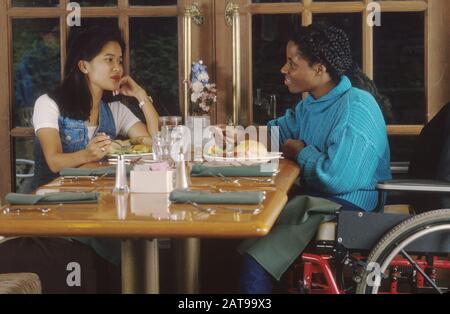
pixel 206 197
pixel 60 197
pixel 266 170
pixel 290 235
pixel 110 171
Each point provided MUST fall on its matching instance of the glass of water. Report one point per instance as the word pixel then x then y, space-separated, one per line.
pixel 169 121
pixel 161 147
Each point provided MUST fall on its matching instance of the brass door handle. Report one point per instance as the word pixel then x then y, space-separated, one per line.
pixel 191 13
pixel 232 18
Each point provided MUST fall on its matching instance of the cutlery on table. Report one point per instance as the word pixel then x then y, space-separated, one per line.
pixel 212 210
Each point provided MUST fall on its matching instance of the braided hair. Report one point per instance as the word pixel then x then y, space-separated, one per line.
pixel 329 45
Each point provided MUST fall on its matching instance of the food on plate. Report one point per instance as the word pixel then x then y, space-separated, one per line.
pixel 118 147
pixel 247 148
pixel 133 146
pixel 140 149
pixel 147 140
pixel 214 150
pixel 250 148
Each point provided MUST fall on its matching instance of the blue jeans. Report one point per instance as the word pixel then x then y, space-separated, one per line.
pixel 254 279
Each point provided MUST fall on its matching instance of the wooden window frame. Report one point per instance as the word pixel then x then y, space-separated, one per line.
pixel 436 80
pixel 7 13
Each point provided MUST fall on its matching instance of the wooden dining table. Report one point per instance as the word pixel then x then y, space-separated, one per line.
pixel 139 219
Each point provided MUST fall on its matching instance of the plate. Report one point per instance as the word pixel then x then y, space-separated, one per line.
pixel 245 160
pixel 129 156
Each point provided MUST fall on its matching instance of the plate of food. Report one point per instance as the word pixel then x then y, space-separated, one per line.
pixel 247 152
pixel 135 147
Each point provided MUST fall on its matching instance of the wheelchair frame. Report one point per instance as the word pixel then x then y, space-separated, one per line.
pixel 367 256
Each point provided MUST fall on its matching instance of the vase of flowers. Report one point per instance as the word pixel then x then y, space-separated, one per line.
pixel 203 98
pixel 203 93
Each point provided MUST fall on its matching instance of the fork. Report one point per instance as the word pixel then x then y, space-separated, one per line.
pixel 120 144
pixel 226 179
pixel 135 161
pixel 43 210
pixel 210 210
pixel 255 179
pixel 93 179
pixel 236 181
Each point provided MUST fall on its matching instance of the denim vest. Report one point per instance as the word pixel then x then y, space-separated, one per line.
pixel 74 137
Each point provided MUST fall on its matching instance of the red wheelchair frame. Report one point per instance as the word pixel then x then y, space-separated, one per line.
pixel 325 267
pixel 318 276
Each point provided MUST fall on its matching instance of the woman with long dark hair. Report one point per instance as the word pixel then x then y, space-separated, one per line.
pixel 76 123
pixel 337 134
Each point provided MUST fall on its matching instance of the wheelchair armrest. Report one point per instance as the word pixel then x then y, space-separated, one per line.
pixel 399 167
pixel 415 186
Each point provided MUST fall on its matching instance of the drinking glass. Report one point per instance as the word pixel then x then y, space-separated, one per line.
pixel 170 121
pixel 168 143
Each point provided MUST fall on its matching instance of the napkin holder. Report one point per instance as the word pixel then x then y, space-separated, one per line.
pixel 142 180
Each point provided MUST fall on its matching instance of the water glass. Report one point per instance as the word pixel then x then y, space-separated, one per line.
pixel 168 143
pixel 169 121
pixel 161 147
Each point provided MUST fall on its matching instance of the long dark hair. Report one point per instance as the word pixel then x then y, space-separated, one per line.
pixel 329 45
pixel 73 95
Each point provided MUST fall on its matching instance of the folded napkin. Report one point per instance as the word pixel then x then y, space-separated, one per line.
pixel 110 171
pixel 59 197
pixel 266 170
pixel 206 197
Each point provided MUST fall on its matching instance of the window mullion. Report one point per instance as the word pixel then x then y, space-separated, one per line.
pixel 5 106
pixel 367 32
pixel 307 17
pixel 125 27
pixel 63 33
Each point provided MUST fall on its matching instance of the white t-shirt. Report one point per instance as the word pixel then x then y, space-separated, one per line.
pixel 46 114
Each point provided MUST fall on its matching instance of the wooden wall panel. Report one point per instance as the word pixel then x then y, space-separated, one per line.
pixel 5 120
pixel 438 52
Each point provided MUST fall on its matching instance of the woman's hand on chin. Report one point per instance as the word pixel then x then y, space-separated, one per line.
pixel 129 87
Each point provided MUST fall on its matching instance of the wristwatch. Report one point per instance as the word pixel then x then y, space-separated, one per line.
pixel 142 103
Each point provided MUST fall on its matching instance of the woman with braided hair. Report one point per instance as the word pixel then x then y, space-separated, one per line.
pixel 337 134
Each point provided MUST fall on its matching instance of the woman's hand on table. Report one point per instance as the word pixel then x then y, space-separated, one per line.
pixel 292 148
pixel 98 147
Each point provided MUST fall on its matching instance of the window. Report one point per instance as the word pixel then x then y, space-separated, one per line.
pixel 407 56
pixel 36 34
pixel 398 56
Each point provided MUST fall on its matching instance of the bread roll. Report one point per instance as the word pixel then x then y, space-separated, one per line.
pixel 141 149
pixel 250 148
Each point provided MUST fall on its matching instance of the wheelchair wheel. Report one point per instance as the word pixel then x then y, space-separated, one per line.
pixel 395 243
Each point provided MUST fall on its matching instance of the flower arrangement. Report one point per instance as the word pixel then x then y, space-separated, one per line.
pixel 203 93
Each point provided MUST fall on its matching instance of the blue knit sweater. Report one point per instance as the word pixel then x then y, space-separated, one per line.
pixel 347 150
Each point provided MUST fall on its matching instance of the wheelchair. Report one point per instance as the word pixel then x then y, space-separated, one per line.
pixel 390 250
pixel 385 251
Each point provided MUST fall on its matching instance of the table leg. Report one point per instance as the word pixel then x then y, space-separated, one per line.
pixel 129 267
pixel 151 262
pixel 188 260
